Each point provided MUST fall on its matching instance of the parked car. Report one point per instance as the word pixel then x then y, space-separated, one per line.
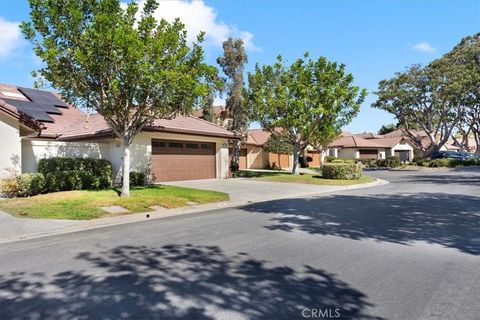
pixel 452 155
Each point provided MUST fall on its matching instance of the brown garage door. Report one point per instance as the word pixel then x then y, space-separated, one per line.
pixel 368 154
pixel 174 160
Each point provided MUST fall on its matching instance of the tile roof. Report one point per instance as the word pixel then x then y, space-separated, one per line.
pixel 73 123
pixel 355 141
pixel 257 137
pixel 217 110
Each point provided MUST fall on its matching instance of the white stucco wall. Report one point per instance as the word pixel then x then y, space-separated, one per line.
pixel 404 147
pixel 112 150
pixel 10 146
pixel 35 150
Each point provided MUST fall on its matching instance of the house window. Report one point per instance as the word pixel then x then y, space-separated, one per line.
pixel 206 146
pixel 175 145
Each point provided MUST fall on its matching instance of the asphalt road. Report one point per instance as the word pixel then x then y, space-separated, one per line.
pixel 406 250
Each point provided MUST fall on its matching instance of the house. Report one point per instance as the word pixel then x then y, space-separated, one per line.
pixel 219 116
pixel 36 124
pixel 371 146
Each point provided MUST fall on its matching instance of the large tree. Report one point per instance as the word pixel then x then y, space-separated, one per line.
pixel 418 98
pixel 233 63
pixel 119 62
pixel 461 68
pixel 308 99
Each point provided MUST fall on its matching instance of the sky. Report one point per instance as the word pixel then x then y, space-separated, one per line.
pixel 374 39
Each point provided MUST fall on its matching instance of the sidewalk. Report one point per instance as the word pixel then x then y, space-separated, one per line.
pixel 241 191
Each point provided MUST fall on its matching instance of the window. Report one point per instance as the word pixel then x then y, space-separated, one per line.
pixel 206 146
pixel 175 145
pixel 191 146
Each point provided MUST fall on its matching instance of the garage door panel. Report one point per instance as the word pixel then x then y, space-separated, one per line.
pixel 182 160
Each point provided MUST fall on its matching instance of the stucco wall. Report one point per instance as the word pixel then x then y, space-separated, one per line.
pixel 34 150
pixel 112 150
pixel 10 146
pixel 255 158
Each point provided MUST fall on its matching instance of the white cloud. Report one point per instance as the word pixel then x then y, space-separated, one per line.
pixel 10 37
pixel 197 17
pixel 423 47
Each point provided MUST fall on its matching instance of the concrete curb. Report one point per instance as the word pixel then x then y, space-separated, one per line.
pixel 167 213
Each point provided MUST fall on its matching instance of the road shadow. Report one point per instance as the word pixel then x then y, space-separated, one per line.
pixel 451 220
pixel 176 282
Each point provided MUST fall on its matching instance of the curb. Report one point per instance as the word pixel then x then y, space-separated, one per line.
pixel 168 213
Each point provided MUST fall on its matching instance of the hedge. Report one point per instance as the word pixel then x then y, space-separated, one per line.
pixel 23 185
pixel 342 171
pixel 389 162
pixel 62 174
pixel 137 178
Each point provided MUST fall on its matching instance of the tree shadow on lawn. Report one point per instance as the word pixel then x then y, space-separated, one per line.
pixel 176 281
pixel 451 220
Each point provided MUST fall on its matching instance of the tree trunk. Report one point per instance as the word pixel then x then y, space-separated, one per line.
pixel 126 171
pixel 476 136
pixel 321 154
pixel 237 144
pixel 296 155
pixel 279 165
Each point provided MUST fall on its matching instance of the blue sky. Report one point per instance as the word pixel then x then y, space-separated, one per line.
pixel 373 38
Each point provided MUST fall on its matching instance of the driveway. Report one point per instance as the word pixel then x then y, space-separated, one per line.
pixel 243 190
pixel 406 250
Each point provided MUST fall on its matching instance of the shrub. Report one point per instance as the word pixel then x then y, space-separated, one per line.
pixel 436 163
pixel 344 171
pixel 63 174
pixel 137 178
pixel 303 161
pixel 389 162
pixel 329 159
pixel 338 161
pixel 30 184
pixel 23 185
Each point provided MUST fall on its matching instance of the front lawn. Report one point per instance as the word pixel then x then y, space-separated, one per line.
pixel 87 204
pixel 276 176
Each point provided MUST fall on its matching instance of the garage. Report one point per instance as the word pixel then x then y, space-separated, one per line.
pixel 175 160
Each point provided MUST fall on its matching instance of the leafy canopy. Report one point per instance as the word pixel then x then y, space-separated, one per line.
pixel 118 60
pixel 310 99
pixel 278 142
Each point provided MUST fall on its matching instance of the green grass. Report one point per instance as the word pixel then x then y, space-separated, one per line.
pixel 301 178
pixel 87 204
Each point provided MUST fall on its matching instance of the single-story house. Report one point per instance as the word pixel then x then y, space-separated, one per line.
pixel 371 146
pixel 36 124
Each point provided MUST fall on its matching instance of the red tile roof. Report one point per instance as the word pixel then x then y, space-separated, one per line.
pixel 73 123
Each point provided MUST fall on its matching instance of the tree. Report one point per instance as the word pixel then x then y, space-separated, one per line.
pixel 207 111
pixel 387 128
pixel 417 97
pixel 278 143
pixel 309 99
pixel 128 67
pixel 233 63
pixel 462 74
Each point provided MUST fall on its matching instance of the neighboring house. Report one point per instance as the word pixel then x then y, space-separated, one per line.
pixel 422 136
pixel 371 146
pixel 470 146
pixel 36 124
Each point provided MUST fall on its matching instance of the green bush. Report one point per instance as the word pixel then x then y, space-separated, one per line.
pixel 329 159
pixel 389 162
pixel 63 174
pixel 137 178
pixel 343 171
pixel 23 185
pixel 337 161
pixel 437 163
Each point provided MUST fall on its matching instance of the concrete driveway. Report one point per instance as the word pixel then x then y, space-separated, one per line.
pixel 243 190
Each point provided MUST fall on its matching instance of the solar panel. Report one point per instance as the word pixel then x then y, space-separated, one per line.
pixel 43 97
pixel 49 108
pixel 32 109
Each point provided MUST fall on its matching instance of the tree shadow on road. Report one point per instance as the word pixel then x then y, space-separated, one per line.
pixel 459 179
pixel 176 281
pixel 451 220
